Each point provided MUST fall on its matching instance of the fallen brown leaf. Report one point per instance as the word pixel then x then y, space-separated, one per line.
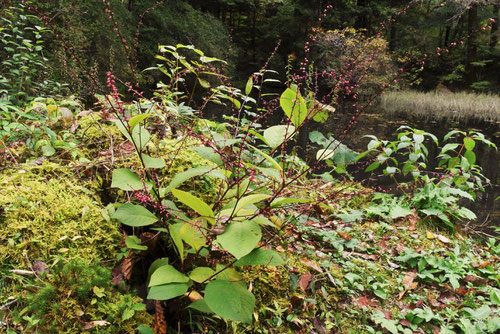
pixel 92 324
pixel 345 236
pixel 367 302
pixel 408 283
pixel 304 281
pixel 311 264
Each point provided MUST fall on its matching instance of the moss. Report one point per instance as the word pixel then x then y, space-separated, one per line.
pixel 76 294
pixel 47 214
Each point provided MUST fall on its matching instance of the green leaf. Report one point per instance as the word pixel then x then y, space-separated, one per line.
pixel 136 120
pixel 200 274
pixel 230 301
pixel 127 314
pixel 127 180
pixel 373 166
pixel 448 147
pixel 194 203
pixel 134 215
pixel 268 158
pixel 192 172
pixel 324 154
pixel 208 153
pixel 240 238
pixel 192 236
pixel 167 291
pixel 281 201
pixel 200 305
pixel 261 256
pixel 469 143
pixel 204 83
pixel 471 157
pixel 144 329
pixel 175 234
pixel 398 211
pixel 133 242
pixel 495 296
pixel 294 106
pixel 167 274
pixel 249 86
pixel 249 200
pixel 155 265
pixel 140 136
pixel 479 314
pixel 48 150
pixel 151 162
pixel 276 135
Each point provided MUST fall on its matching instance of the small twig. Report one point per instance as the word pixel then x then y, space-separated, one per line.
pixel 22 272
pixel 5 306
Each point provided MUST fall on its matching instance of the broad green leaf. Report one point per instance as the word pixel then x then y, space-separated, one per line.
pixel 324 154
pixel 495 296
pixel 471 157
pixel 133 242
pixel 200 305
pixel 276 135
pixel 448 147
pixel 208 153
pixel 193 172
pixel 281 201
pixel 194 203
pixel 373 166
pixel 479 314
pixel 294 106
pixel 167 291
pixel 125 179
pixel 240 238
pixel 156 264
pixel 48 150
pixel 134 215
pixel 249 200
pixel 200 274
pixel 249 86
pixel 192 236
pixel 141 136
pixel 167 274
pixel 261 256
pixel 268 158
pixel 144 329
pixel 136 120
pixel 230 301
pixel 398 211
pixel 469 143
pixel 175 234
pixel 151 162
pixel 229 274
pixel 261 220
pixel 204 83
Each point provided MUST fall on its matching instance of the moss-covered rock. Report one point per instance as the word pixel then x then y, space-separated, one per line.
pixel 47 213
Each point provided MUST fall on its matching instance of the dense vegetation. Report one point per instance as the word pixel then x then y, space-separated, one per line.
pixel 168 167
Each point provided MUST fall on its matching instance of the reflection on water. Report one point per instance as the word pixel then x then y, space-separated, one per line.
pixel 384 127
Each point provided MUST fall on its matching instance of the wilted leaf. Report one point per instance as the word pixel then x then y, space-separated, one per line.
pixel 430 235
pixel 443 239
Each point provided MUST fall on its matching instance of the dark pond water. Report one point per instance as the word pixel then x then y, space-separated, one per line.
pixel 384 127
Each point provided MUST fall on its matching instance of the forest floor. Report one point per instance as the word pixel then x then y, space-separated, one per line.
pixel 61 257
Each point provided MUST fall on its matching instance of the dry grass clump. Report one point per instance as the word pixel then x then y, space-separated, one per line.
pixel 432 105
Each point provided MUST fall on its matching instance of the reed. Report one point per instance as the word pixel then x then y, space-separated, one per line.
pixel 433 105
